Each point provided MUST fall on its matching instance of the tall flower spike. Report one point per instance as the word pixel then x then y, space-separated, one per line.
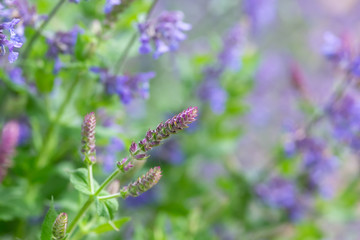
pixel 9 140
pixel 59 227
pixel 142 184
pixel 154 137
pixel 88 139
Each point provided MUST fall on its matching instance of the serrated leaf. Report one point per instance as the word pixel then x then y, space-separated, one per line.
pixel 46 228
pixel 106 227
pixel 107 208
pixel 79 178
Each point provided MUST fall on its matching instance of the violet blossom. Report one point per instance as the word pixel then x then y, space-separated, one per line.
pixel 210 90
pixel 344 116
pixel 62 43
pixel 282 194
pixel 13 42
pixel 127 87
pixel 163 34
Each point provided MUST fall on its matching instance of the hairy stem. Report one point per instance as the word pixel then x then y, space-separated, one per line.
pixel 116 195
pixel 78 216
pixel 41 28
pixel 91 199
pixel 120 62
pixel 90 178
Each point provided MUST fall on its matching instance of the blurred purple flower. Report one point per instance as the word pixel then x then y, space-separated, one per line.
pixel 62 43
pixel 74 1
pixel 230 56
pixel 14 41
pixel 16 76
pixel 281 193
pixel 166 33
pixel 210 91
pixel 110 4
pixel 9 140
pixel 260 12
pixel 318 164
pixel 345 119
pixel 126 87
pixel 21 9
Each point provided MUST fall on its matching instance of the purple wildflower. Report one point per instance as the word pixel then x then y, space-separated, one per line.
pixel 318 164
pixel 14 41
pixel 127 87
pixel 230 56
pixel 9 140
pixel 260 12
pixel 74 1
pixel 110 4
pixel 21 9
pixel 210 91
pixel 16 76
pixel 345 119
pixel 164 130
pixel 62 43
pixel 281 193
pixel 165 32
pixel 142 184
pixel 88 139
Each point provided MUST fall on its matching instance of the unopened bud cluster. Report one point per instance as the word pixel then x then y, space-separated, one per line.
pixel 59 227
pixel 142 184
pixel 164 130
pixel 88 139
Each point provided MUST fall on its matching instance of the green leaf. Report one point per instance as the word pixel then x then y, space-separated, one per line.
pixel 79 178
pixel 46 228
pixel 107 208
pixel 106 227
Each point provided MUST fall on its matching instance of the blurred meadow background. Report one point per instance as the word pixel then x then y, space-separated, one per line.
pixel 274 153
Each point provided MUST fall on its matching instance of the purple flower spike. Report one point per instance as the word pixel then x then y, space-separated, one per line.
pixel 14 41
pixel 164 130
pixel 88 139
pixel 143 184
pixel 9 140
pixel 165 32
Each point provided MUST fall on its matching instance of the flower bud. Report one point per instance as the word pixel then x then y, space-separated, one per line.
pixel 142 184
pixel 59 227
pixel 88 139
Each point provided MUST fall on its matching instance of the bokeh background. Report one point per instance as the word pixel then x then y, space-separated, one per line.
pixel 273 154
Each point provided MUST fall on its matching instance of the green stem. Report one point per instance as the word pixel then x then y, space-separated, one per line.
pixel 107 181
pixel 116 195
pixel 91 199
pixel 41 28
pixel 120 62
pixel 42 158
pixel 78 216
pixel 90 176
